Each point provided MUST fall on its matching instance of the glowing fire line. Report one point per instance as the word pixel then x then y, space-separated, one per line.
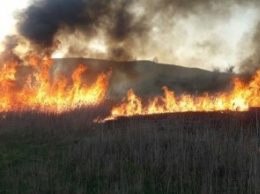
pixel 29 86
pixel 241 98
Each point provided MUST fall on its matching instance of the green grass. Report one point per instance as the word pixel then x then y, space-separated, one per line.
pixel 182 153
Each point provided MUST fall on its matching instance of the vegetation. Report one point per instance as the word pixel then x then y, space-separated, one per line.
pixel 230 68
pixel 172 153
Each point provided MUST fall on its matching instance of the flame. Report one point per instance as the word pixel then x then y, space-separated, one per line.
pixel 28 85
pixel 240 98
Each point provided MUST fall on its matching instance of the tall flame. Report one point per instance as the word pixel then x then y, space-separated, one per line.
pixel 29 86
pixel 240 98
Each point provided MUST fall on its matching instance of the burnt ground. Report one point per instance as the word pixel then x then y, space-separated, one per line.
pixel 215 152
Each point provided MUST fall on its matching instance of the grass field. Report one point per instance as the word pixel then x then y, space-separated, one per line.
pixel 172 153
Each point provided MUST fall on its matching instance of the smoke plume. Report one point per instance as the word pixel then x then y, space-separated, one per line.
pixel 129 29
pixel 41 22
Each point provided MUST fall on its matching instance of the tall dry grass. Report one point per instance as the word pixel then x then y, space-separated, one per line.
pixel 173 153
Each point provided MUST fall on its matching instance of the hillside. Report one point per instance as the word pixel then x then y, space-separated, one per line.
pixel 147 77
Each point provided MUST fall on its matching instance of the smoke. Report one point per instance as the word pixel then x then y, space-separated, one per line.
pixel 10 44
pixel 132 29
pixel 252 62
pixel 43 21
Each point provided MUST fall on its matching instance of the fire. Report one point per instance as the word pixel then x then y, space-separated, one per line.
pixel 29 85
pixel 240 98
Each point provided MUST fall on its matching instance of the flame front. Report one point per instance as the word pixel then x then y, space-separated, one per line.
pixel 240 98
pixel 29 86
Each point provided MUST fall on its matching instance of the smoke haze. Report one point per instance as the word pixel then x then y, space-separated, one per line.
pixel 190 33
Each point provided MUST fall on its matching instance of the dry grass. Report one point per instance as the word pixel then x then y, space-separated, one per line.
pixel 174 153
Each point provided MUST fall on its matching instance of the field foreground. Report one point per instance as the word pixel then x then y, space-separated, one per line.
pixel 171 153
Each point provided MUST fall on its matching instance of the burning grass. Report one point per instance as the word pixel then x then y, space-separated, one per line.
pixel 50 144
pixel 37 84
pixel 166 153
pixel 241 97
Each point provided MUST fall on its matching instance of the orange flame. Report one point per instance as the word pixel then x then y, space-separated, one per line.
pixel 31 87
pixel 241 98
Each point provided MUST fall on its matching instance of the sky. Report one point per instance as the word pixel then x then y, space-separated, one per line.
pixel 7 11
pixel 187 44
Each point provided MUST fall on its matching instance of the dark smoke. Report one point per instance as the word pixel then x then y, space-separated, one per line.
pixel 44 19
pixel 126 34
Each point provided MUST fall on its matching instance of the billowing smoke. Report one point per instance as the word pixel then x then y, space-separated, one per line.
pixel 132 29
pixel 44 20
